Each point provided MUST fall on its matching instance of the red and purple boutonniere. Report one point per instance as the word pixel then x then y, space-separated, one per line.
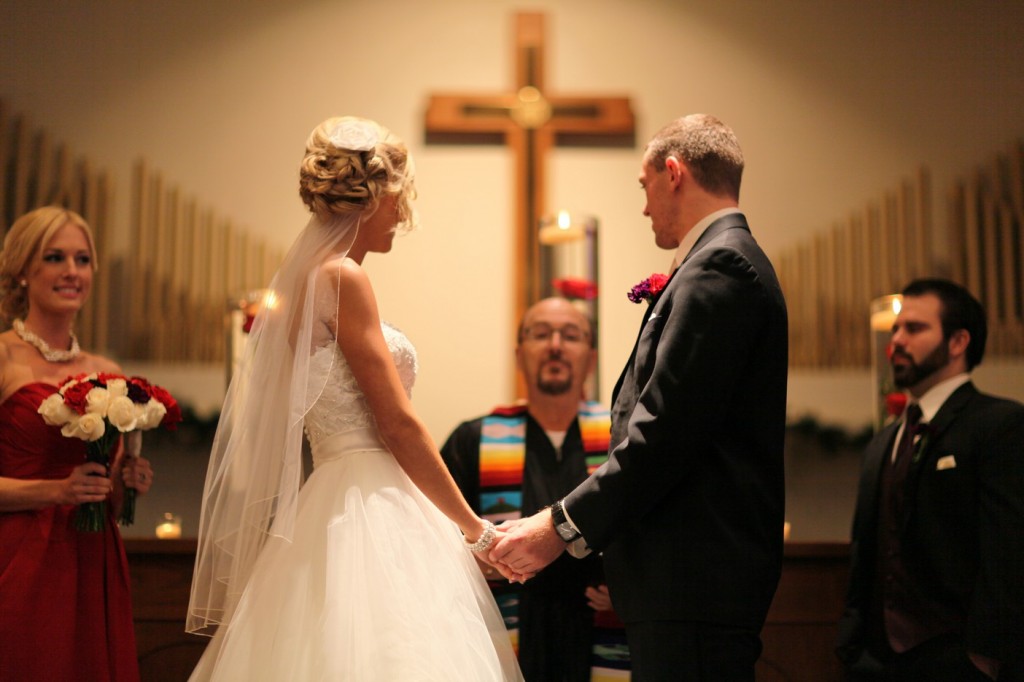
pixel 648 289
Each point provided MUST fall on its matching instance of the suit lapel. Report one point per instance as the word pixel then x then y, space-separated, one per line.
pixel 632 356
pixel 943 419
pixel 716 228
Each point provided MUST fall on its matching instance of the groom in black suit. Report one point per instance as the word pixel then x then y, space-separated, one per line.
pixel 937 578
pixel 688 510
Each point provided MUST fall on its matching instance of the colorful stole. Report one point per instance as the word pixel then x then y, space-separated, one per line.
pixel 502 460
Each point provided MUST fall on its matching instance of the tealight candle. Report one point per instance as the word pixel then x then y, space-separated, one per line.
pixel 170 529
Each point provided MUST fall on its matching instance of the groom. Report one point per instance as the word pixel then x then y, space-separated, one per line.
pixel 688 510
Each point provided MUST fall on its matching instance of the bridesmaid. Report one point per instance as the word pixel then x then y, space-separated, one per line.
pixel 66 611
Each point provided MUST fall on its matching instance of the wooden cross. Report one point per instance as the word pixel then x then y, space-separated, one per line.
pixel 531 122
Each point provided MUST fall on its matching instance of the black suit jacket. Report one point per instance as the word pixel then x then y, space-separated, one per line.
pixel 962 532
pixel 689 507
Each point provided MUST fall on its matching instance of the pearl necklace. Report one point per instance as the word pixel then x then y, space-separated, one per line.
pixel 48 353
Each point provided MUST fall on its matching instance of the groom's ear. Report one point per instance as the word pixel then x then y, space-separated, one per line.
pixel 675 169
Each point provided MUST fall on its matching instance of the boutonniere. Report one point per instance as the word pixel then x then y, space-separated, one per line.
pixel 648 289
pixel 922 434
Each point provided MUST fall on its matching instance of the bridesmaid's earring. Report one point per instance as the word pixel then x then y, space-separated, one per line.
pixel 23 283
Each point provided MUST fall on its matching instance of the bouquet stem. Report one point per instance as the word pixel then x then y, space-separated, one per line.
pixel 132 448
pixel 91 516
pixel 127 517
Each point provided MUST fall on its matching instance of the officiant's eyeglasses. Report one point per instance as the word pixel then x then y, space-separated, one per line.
pixel 541 333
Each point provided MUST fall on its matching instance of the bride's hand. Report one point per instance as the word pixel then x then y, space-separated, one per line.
pixel 508 573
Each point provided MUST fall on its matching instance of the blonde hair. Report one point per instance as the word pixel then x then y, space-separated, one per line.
pixel 334 181
pixel 26 238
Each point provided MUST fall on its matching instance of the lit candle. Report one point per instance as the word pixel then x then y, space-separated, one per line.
pixel 560 230
pixel 170 529
pixel 884 311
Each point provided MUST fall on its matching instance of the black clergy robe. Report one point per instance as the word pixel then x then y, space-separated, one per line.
pixel 555 623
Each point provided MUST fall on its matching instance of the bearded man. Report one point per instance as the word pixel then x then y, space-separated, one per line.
pixel 937 578
pixel 520 459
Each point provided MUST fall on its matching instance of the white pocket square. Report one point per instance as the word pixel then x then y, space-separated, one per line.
pixel 947 462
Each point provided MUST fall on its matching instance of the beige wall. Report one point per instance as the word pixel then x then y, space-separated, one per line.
pixel 832 101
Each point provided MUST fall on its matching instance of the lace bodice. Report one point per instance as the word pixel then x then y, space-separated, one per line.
pixel 342 405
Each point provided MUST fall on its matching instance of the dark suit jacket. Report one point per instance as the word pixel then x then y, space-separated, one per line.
pixel 962 532
pixel 689 507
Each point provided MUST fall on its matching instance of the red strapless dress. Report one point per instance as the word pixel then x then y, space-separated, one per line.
pixel 65 600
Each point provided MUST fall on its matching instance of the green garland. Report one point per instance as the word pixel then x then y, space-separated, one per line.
pixel 831 438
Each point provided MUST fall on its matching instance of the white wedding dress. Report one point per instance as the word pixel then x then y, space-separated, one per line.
pixel 376 583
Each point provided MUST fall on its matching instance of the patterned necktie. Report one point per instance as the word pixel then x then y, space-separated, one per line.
pixel 911 419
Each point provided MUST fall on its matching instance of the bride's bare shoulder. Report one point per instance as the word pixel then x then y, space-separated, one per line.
pixel 341 267
pixel 344 273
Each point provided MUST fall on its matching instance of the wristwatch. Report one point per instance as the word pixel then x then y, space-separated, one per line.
pixel 564 529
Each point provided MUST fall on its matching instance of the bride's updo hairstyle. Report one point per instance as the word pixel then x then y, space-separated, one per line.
pixel 350 163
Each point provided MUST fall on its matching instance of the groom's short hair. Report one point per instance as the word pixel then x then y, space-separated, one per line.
pixel 707 146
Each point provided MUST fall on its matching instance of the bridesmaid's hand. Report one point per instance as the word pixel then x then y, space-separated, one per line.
pixel 137 473
pixel 87 483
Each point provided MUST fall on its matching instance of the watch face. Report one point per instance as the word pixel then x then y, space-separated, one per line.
pixel 566 532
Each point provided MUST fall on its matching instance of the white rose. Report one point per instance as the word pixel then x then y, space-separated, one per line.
pixel 117 388
pixel 152 414
pixel 86 427
pixel 97 400
pixel 55 412
pixel 123 414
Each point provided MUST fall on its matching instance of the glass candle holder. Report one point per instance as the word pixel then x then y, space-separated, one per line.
pixel 888 400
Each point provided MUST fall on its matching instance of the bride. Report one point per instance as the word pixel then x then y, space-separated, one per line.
pixel 363 574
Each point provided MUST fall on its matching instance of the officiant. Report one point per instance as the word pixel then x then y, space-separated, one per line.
pixel 521 458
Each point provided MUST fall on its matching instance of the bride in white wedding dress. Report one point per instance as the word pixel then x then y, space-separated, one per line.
pixel 363 574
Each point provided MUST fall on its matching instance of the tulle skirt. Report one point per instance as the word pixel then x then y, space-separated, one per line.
pixel 375 585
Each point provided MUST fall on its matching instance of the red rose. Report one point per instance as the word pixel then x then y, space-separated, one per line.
pixel 76 377
pixel 74 397
pixel 173 415
pixel 658 282
pixel 141 382
pixel 895 403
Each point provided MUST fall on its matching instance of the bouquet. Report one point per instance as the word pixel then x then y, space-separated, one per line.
pixel 97 408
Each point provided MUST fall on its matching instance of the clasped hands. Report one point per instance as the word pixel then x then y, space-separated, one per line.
pixel 523 547
pixel 90 482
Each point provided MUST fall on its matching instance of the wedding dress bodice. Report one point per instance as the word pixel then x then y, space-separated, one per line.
pixel 342 406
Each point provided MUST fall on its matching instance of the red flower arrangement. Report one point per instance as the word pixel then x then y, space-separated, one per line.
pixel 574 287
pixel 97 408
pixel 895 403
pixel 648 289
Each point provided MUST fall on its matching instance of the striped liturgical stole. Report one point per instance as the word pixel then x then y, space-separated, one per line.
pixel 502 461
pixel 503 455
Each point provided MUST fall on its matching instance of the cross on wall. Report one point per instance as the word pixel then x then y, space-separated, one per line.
pixel 530 121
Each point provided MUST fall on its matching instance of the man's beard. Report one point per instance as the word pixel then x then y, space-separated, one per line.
pixel 555 386
pixel 911 374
